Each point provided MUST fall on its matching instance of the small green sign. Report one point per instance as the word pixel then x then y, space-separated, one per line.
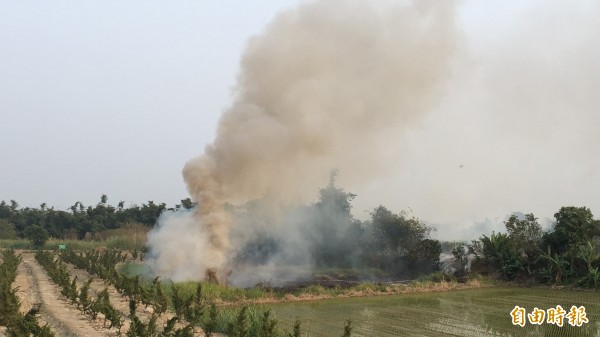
pixel 62 247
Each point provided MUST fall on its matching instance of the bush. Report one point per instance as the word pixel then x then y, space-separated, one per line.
pixel 36 235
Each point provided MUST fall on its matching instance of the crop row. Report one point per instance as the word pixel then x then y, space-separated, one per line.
pixel 80 297
pixel 102 264
pixel 101 304
pixel 192 310
pixel 16 323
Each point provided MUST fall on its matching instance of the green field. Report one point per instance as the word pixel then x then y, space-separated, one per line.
pixel 475 312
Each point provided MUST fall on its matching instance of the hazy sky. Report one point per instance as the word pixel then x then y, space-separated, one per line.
pixel 114 97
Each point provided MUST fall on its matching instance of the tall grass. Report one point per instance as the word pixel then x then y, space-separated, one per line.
pixel 51 244
pixel 115 242
pixel 130 236
pixel 254 320
pixel 14 244
pixel 216 293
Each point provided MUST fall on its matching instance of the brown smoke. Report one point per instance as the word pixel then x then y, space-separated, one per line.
pixel 330 84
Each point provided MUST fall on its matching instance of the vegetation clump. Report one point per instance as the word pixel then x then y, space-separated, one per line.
pixel 569 253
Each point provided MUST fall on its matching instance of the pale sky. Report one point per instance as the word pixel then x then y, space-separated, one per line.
pixel 114 97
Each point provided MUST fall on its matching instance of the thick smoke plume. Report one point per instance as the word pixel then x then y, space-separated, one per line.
pixel 330 84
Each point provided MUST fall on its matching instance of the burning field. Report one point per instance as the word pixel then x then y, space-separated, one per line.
pixel 325 86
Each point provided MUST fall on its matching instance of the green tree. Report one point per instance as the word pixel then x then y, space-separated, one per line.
pixel 525 233
pixel 424 258
pixel 400 244
pixel 502 253
pixel 187 203
pixel 460 253
pixel 6 211
pixel 574 227
pixel 524 230
pixel 331 221
pixel 37 235
pixel 7 230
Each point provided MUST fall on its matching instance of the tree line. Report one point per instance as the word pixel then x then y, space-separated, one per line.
pixel 78 221
pixel 397 244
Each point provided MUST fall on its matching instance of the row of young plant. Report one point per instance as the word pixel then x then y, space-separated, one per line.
pixel 16 323
pixel 191 310
pixel 188 311
pixel 251 321
pixel 102 264
pixel 80 297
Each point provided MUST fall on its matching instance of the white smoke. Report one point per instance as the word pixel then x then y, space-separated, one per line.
pixel 328 84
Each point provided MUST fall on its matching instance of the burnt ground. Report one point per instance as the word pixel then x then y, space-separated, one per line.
pixel 328 281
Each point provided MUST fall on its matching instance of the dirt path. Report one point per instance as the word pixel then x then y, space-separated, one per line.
pixel 63 318
pixel 24 286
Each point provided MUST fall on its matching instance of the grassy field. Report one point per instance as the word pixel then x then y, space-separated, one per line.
pixel 473 312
